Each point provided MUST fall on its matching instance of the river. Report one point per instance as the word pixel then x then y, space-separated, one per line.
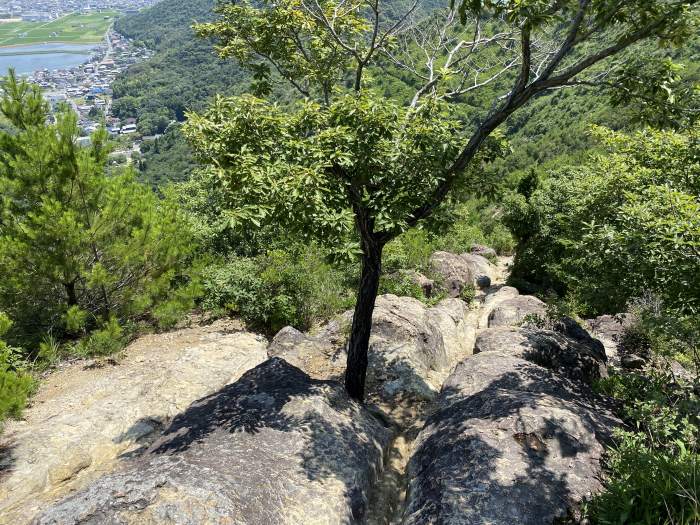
pixel 27 59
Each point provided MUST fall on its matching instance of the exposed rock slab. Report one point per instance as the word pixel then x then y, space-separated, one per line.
pixel 82 420
pixel 275 447
pixel 458 271
pixel 514 310
pixel 412 347
pixel 582 359
pixel 511 443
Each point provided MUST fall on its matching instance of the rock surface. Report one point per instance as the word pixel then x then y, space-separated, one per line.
pixel 576 359
pixel 84 418
pixel 412 347
pixel 275 447
pixel 511 443
pixel 514 310
pixel 458 271
pixel 609 329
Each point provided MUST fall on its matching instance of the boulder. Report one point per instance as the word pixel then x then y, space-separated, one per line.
pixel 84 419
pixel 458 271
pixel 511 443
pixel 633 361
pixel 411 350
pixel 484 251
pixel 609 329
pixel 318 356
pixel 581 359
pixel 405 348
pixel 514 310
pixel 274 447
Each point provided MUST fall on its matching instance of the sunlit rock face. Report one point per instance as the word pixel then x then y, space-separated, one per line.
pixel 274 447
pixel 517 437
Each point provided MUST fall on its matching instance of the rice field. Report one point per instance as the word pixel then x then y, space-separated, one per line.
pixel 77 28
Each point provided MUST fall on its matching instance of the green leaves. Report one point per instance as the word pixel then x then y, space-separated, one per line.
pixel 309 168
pixel 78 246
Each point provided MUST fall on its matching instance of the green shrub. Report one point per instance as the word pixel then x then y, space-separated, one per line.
pixel 625 223
pixel 654 466
pixel 278 289
pixel 16 384
pixel 107 340
pixel 400 284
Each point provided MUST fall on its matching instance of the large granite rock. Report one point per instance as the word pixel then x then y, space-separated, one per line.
pixel 514 310
pixel 275 447
pixel 511 443
pixel 609 329
pixel 85 418
pixel 458 271
pixel 582 357
pixel 412 347
pixel 319 356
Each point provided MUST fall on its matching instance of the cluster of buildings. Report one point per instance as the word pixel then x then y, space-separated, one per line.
pixel 45 10
pixel 88 88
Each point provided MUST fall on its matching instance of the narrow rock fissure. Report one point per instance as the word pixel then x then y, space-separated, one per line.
pixel 388 498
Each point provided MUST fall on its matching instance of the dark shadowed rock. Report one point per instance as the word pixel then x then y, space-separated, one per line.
pixel 577 359
pixel 275 447
pixel 632 361
pixel 513 311
pixel 511 443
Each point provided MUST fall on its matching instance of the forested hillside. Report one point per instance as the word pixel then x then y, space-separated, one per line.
pixel 360 245
pixel 183 74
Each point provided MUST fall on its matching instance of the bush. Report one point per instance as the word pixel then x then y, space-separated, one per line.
pixel 278 289
pixel 625 223
pixel 654 468
pixel 16 384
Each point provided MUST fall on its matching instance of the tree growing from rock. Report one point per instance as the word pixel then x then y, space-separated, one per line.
pixel 340 158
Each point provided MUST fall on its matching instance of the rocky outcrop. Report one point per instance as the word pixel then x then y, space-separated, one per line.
pixel 514 310
pixel 412 347
pixel 609 329
pixel 458 271
pixel 322 356
pixel 274 447
pixel 84 419
pixel 484 251
pixel 582 359
pixel 511 442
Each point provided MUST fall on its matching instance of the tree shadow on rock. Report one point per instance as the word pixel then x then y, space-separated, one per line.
pixel 276 421
pixel 520 450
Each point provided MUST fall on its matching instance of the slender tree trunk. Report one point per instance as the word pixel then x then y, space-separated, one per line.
pixel 70 292
pixel 356 370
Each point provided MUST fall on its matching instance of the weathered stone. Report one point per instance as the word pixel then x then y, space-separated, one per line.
pixel 482 269
pixel 458 271
pixel 315 355
pixel 632 361
pixel 412 347
pixel 609 329
pixel 510 443
pixel 83 420
pixel 513 311
pixel 274 447
pixel 484 251
pixel 582 360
